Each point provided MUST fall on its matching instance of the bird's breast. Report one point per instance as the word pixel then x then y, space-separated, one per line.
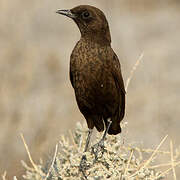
pixel 89 69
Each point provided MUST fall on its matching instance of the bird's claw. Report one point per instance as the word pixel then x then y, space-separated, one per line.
pixel 98 148
pixel 83 166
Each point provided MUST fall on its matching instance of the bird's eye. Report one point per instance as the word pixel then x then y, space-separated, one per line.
pixel 85 15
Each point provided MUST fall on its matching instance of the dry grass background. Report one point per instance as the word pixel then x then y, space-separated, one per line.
pixel 119 162
pixel 36 96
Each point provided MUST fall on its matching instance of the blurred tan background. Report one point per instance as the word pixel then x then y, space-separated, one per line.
pixel 36 96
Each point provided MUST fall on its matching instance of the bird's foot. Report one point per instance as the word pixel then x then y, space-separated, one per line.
pixel 98 149
pixel 83 166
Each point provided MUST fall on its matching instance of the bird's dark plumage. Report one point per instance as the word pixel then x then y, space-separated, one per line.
pixel 95 70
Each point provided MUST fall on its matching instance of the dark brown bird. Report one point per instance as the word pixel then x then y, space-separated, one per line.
pixel 95 72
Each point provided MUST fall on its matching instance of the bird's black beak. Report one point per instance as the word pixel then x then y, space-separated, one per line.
pixel 67 13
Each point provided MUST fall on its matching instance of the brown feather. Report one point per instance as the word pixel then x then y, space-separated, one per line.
pixel 95 71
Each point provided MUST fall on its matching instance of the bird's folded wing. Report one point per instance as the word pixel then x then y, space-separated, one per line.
pixel 116 72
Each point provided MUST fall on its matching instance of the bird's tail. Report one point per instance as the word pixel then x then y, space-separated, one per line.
pixel 114 128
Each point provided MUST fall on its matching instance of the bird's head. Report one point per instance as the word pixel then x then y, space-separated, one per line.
pixel 91 21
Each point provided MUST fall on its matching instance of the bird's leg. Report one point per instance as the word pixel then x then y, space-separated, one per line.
pixel 83 165
pixel 99 147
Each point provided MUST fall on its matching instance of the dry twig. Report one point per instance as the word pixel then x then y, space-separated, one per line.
pixel 133 70
pixel 30 158
pixel 129 160
pixel 52 164
pixel 150 159
pixel 172 160
pixel 167 171
pixel 4 175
